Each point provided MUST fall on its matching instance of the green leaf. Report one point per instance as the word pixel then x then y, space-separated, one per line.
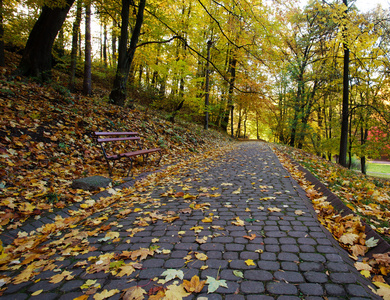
pixel 172 273
pixel 238 273
pixel 214 284
pixel 371 243
pixel 249 220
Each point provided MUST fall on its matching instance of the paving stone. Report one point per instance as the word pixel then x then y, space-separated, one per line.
pixel 288 298
pixel 281 288
pixel 289 266
pixel 249 255
pixel 316 277
pixel 234 247
pixel 269 265
pixel 259 297
pixel 268 256
pixel 240 264
pixel 342 277
pixel 45 296
pixel 337 267
pixel 16 296
pixel 71 296
pixel 151 273
pixel 289 276
pixel 311 266
pixel 71 285
pixel 356 290
pixel 312 257
pixel 335 289
pixel 288 256
pixel 251 287
pixel 314 289
pixel 334 257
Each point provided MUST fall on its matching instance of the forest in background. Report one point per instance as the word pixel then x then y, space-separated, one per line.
pixel 315 77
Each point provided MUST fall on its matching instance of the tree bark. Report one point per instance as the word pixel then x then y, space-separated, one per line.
pixel 87 84
pixel 230 106
pixel 125 59
pixel 345 108
pixel 36 59
pixel 2 56
pixel 73 54
pixel 207 88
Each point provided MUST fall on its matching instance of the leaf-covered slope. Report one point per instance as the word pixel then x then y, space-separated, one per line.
pixel 46 142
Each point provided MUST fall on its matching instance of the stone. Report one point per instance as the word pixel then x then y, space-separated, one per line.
pixel 92 183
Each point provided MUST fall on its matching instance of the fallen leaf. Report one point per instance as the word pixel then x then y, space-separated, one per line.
pixel 371 242
pixel 214 284
pixel 250 237
pixel 348 238
pixel 201 256
pixel 105 294
pixel 195 285
pixel 59 277
pixel 299 212
pixel 362 266
pixel 274 209
pixel 172 273
pixel 238 222
pixel 36 293
pixel 384 290
pixel 250 262
pixel 134 293
pixel 175 292
pixel 366 273
pixel 238 273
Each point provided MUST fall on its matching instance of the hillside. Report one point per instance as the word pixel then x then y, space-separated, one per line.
pixel 46 141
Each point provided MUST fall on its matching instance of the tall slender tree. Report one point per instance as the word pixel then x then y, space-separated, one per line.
pixel 73 54
pixel 126 55
pixel 87 84
pixel 2 56
pixel 345 108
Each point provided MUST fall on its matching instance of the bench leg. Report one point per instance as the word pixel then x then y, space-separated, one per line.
pixel 131 166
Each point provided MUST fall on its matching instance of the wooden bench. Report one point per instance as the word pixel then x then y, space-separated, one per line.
pixel 103 138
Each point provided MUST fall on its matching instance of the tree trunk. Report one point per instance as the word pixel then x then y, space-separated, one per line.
pixel 345 108
pixel 113 42
pixel 73 54
pixel 230 107
pixel 125 59
pixel 2 56
pixel 36 59
pixel 206 96
pixel 87 85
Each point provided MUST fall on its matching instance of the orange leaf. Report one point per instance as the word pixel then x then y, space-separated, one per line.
pixel 195 285
pixel 251 237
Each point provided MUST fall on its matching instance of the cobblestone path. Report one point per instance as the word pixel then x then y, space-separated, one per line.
pixel 280 254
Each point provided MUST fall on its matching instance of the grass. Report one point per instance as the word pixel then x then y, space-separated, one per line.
pixel 378 168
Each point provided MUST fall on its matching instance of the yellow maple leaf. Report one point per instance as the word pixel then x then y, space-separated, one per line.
pixel 384 290
pixel 59 277
pixel 201 256
pixel 274 209
pixel 238 222
pixel 176 292
pixel 207 220
pixel 348 238
pixel 249 262
pixel 126 270
pixel 195 285
pixel 105 294
pixel 134 293
pixel 112 235
pixel 362 266
pixel 366 273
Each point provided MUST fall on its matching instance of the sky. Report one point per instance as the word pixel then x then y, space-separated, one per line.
pixel 365 5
